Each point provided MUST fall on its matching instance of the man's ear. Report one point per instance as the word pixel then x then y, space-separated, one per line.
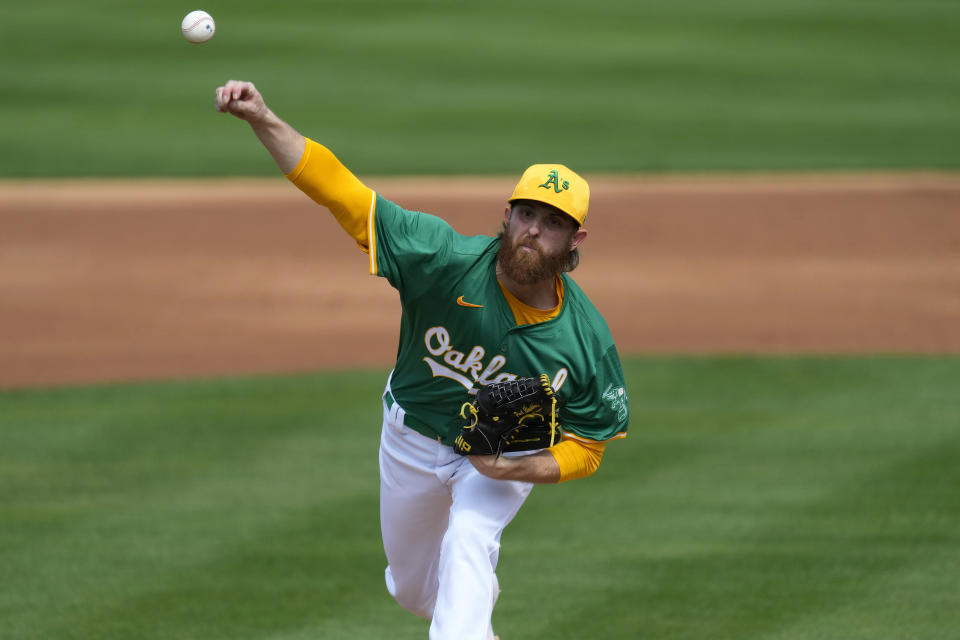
pixel 578 237
pixel 506 213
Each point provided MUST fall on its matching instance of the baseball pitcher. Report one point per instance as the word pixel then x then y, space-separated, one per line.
pixel 506 375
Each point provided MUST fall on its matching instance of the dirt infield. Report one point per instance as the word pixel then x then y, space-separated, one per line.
pixel 107 281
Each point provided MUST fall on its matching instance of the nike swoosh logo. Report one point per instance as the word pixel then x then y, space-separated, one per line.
pixel 461 302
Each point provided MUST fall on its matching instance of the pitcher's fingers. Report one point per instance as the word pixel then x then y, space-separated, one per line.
pixel 237 90
pixel 224 97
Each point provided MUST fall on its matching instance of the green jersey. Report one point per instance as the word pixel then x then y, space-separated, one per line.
pixel 458 332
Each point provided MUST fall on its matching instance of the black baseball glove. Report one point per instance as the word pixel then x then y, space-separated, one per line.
pixel 518 415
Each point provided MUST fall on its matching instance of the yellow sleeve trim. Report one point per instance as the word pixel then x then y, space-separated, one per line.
pixel 372 233
pixel 577 458
pixel 572 436
pixel 321 176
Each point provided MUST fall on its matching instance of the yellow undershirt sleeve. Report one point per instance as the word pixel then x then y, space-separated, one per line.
pixel 577 459
pixel 320 175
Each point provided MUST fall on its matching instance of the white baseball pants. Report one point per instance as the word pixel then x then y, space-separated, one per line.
pixel 441 522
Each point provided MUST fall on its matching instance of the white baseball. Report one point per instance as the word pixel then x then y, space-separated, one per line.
pixel 198 26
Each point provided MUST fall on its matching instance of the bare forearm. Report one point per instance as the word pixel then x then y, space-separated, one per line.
pixel 242 100
pixel 539 468
pixel 283 142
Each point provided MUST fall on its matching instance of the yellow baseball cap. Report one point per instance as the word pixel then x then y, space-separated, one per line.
pixel 556 185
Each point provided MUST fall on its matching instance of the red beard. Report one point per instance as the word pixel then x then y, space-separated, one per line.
pixel 528 267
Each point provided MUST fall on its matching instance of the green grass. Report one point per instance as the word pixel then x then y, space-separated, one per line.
pixel 447 86
pixel 756 498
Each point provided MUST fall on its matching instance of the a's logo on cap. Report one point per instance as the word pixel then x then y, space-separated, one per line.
pixel 554 181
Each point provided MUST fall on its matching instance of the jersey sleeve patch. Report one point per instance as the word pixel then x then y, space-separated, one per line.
pixel 602 410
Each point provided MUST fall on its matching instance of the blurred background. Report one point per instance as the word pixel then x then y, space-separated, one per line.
pixel 109 88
